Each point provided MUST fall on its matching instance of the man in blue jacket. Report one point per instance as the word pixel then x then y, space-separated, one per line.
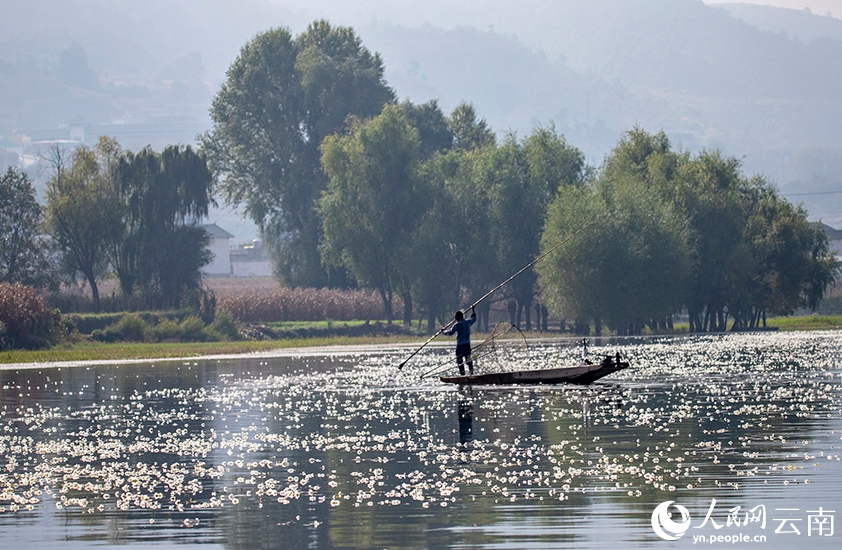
pixel 462 329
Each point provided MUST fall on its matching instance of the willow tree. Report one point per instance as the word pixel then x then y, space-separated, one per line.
pixel 627 270
pixel 455 260
pixel 750 251
pixel 453 242
pixel 520 178
pixel 159 246
pixel 786 262
pixel 373 203
pixel 283 95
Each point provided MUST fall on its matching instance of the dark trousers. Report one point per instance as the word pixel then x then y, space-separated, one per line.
pixel 463 353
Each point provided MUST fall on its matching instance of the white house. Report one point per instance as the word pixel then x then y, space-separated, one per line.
pixel 220 265
pixel 251 261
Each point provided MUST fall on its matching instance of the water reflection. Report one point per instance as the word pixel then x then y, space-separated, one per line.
pixel 466 416
pixel 343 451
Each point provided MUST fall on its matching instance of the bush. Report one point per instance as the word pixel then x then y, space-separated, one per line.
pixel 25 319
pixel 133 328
pixel 89 323
pixel 167 330
pixel 130 328
pixel 224 326
pixel 193 330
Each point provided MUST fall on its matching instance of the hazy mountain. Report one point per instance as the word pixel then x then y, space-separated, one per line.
pixel 760 83
pixel 802 25
pixel 520 90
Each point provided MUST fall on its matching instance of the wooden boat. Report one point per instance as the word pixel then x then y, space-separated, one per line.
pixel 584 373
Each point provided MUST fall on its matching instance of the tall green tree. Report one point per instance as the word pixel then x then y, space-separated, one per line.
pixel 160 247
pixel 23 248
pixel 373 204
pixel 787 263
pixel 750 251
pixel 458 261
pixel 627 270
pixel 434 129
pixel 455 260
pixel 82 214
pixel 710 188
pixel 521 178
pixel 281 98
pixel 551 163
pixel 469 131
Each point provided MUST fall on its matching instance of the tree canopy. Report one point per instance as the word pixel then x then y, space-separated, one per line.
pixel 135 214
pixel 283 95
pixel 82 214
pixel 434 227
pixel 676 233
pixel 628 269
pixel 373 203
pixel 23 248
pixel 157 245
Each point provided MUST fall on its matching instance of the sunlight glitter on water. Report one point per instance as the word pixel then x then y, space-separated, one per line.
pixel 345 450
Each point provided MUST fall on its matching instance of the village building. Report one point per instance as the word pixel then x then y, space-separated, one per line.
pixel 251 261
pixel 220 265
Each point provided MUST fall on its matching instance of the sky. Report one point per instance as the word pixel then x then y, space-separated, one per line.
pixel 818 7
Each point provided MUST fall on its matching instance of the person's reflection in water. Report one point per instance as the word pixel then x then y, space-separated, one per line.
pixel 586 412
pixel 466 418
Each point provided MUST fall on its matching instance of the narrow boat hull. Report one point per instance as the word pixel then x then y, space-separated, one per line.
pixel 584 373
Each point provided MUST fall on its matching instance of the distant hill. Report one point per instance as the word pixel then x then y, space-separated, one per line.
pixel 760 83
pixel 802 25
pixel 520 90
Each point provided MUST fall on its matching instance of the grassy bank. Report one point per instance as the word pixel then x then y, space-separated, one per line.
pixel 96 351
pixel 806 322
pixel 87 350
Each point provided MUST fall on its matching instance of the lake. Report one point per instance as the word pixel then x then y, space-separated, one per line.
pixel 718 440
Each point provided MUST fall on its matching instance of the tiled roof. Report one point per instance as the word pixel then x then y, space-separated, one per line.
pixel 217 232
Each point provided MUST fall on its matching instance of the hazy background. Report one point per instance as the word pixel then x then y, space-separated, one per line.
pixel 820 7
pixel 763 83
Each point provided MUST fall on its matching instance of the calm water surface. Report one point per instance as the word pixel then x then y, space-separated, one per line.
pixel 339 449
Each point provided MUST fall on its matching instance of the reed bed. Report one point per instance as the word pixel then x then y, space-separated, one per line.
pixel 263 300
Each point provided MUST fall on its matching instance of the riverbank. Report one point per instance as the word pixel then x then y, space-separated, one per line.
pixel 95 351
pixel 88 350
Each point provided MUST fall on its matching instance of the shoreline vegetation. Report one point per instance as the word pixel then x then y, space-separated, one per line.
pixel 312 334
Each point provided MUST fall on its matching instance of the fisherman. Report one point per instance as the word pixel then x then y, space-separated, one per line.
pixel 462 329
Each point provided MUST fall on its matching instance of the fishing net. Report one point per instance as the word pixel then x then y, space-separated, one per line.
pixel 502 344
pixel 495 353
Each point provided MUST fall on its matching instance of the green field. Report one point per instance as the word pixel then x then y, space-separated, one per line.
pixel 806 322
pixel 96 351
